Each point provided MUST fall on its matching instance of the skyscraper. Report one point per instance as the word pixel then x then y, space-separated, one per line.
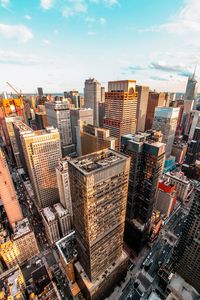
pixel 42 151
pixel 147 160
pixel 165 119
pixel 155 99
pixel 143 96
pixel 121 108
pixel 94 138
pixel 99 185
pixel 58 116
pixel 187 251
pixel 82 114
pixel 191 89
pixel 92 97
pixel 62 174
pixel 8 193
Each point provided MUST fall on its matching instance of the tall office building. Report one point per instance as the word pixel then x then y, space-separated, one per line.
pixel 10 139
pixel 147 161
pixel 165 119
pixel 8 194
pixel 94 138
pixel 121 108
pixel 58 115
pixel 92 97
pixel 99 185
pixel 50 225
pixel 62 174
pixel 82 114
pixel 143 96
pixel 186 254
pixel 19 129
pixel 42 152
pixel 193 151
pixel 155 99
pixel 191 89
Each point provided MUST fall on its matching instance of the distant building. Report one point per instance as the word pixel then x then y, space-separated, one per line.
pixel 147 161
pixel 102 179
pixel 165 120
pixel 182 184
pixel 58 116
pixel 94 138
pixel 8 194
pixel 143 96
pixel 193 151
pixel 166 198
pixel 155 99
pixel 41 120
pixel 50 224
pixel 62 174
pixel 191 89
pixel 21 128
pixel 42 151
pixel 92 97
pixel 10 138
pixel 83 114
pixel 121 108
pixel 186 254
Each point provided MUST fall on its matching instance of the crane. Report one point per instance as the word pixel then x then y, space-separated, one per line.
pixel 17 93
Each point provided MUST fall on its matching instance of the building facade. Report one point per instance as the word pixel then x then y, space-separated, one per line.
pixel 186 255
pixel 92 97
pixel 155 99
pixel 99 185
pixel 94 138
pixel 165 198
pixel 64 219
pixel 165 120
pixel 50 224
pixel 8 194
pixel 42 151
pixel 121 108
pixel 143 96
pixel 62 174
pixel 182 184
pixel 58 116
pixel 147 161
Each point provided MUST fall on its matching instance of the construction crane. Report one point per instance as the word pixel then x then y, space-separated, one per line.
pixel 17 93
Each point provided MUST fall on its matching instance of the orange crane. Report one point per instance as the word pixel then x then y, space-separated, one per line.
pixel 18 103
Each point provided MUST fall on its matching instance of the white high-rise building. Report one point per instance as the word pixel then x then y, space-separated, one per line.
pixel 64 184
pixel 165 120
pixel 42 151
pixel 92 97
pixel 58 115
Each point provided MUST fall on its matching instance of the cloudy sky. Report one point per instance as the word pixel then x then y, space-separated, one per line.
pixel 57 44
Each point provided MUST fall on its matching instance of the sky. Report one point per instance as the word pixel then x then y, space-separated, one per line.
pixel 57 44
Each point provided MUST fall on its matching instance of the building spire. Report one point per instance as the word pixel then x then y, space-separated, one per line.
pixel 193 76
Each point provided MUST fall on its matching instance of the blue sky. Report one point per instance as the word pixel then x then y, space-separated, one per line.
pixel 57 44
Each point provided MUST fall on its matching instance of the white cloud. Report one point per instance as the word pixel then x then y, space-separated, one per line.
pixel 90 19
pixel 15 58
pixel 111 2
pixel 28 17
pixel 91 33
pixel 46 42
pixel 74 7
pixel 19 32
pixel 102 21
pixel 4 3
pixel 56 31
pixel 186 20
pixel 46 4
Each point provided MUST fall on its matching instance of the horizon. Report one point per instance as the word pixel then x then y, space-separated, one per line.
pixel 57 44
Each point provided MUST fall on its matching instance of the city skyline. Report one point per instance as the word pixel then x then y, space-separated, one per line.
pixel 58 44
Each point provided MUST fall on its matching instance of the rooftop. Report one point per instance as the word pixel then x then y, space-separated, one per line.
pixel 97 161
pixel 48 214
pixel 61 211
pixel 178 175
pixel 22 227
